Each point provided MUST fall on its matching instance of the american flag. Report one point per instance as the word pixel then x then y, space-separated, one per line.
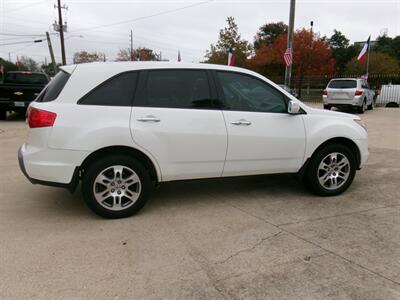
pixel 288 57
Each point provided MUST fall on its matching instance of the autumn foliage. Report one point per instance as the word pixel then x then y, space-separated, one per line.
pixel 311 56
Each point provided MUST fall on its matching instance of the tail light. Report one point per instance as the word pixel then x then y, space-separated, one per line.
pixel 40 118
pixel 325 93
pixel 358 93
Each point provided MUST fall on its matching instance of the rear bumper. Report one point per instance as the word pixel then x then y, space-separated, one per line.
pixel 38 171
pixel 357 101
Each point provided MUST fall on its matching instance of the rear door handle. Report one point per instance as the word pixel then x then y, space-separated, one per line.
pixel 148 119
pixel 241 122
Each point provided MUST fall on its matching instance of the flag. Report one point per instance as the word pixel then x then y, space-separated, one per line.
pixel 288 57
pixel 364 51
pixel 231 58
pixel 179 55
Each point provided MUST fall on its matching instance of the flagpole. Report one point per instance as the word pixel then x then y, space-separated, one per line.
pixel 369 48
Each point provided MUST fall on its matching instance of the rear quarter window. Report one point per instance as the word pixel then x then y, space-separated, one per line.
pixel 116 91
pixel 54 88
pixel 343 84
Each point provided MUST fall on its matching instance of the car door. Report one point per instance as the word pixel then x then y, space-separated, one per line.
pixel 173 118
pixel 262 137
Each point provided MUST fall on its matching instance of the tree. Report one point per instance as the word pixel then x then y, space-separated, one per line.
pixel 140 53
pixel 267 33
pixel 342 52
pixel 379 64
pixel 48 69
pixel 388 45
pixel 28 64
pixel 87 57
pixel 229 37
pixel 8 65
pixel 312 56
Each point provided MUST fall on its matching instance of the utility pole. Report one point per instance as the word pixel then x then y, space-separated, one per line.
pixel 60 23
pixel 9 56
pixel 53 61
pixel 131 45
pixel 288 71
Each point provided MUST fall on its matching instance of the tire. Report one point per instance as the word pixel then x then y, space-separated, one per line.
pixel 3 114
pixel 124 195
pixel 327 106
pixel 363 107
pixel 316 173
pixel 371 106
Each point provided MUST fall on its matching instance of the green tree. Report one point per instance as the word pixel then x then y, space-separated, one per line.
pixel 229 37
pixel 268 33
pixel 388 45
pixel 342 52
pixel 379 64
pixel 48 69
pixel 87 57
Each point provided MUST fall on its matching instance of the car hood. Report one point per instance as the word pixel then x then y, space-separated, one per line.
pixel 329 113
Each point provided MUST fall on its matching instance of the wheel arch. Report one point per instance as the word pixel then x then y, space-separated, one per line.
pixel 148 163
pixel 335 140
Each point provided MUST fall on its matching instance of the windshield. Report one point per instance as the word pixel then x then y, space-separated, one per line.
pixel 26 78
pixel 343 84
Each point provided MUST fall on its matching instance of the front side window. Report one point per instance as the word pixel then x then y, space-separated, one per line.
pixel 178 89
pixel 117 91
pixel 246 93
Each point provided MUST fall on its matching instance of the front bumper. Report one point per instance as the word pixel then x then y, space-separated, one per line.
pixel 71 185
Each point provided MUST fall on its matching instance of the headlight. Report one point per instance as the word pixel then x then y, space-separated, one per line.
pixel 361 123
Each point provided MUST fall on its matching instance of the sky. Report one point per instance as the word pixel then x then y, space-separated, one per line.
pixel 168 26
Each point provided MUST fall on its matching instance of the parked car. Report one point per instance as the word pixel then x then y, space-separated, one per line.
pixel 348 93
pixel 389 96
pixel 20 88
pixel 122 128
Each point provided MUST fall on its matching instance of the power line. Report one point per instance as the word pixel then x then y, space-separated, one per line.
pixel 146 17
pixel 26 6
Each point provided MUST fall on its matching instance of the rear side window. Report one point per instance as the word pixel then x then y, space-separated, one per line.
pixel 117 91
pixel 343 84
pixel 54 88
pixel 178 89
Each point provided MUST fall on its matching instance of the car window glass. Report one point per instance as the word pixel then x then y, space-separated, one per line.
pixel 118 91
pixel 54 88
pixel 343 84
pixel 245 93
pixel 178 89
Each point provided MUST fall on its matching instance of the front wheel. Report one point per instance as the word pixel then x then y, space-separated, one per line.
pixel 331 170
pixel 116 186
pixel 363 107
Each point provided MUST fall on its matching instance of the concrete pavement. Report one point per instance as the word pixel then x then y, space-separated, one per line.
pixel 262 237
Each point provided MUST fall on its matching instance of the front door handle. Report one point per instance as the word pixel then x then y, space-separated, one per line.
pixel 148 119
pixel 241 122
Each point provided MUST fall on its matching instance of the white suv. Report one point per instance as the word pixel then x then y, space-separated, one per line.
pixel 348 93
pixel 122 128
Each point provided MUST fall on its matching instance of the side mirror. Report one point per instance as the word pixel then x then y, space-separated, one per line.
pixel 293 107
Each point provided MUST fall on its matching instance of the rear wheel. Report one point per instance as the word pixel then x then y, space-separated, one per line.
pixel 116 186
pixel 3 114
pixel 363 107
pixel 327 106
pixel 331 170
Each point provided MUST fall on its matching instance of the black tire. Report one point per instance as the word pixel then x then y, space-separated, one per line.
pixel 102 164
pixel 361 109
pixel 371 106
pixel 311 175
pixel 3 114
pixel 327 106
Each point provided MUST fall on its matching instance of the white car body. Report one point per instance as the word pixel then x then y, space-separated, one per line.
pixel 356 96
pixel 181 143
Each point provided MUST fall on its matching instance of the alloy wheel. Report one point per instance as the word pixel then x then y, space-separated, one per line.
pixel 333 171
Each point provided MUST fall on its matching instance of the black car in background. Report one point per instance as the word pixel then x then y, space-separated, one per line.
pixel 20 88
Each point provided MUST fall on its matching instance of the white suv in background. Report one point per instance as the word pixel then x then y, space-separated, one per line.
pixel 348 93
pixel 122 128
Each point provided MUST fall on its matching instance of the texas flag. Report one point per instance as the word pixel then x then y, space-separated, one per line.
pixel 231 58
pixel 364 51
